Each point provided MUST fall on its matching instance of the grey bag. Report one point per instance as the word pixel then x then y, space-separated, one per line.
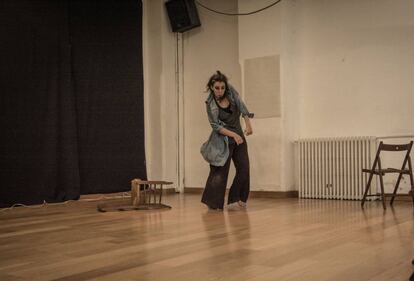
pixel 215 150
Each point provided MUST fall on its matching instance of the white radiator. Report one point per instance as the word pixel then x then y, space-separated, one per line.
pixel 330 168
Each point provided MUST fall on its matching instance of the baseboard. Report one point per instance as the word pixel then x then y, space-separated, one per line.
pixel 168 191
pixel 195 190
pixel 253 193
pixel 274 194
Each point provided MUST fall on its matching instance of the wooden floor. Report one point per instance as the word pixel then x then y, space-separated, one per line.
pixel 275 239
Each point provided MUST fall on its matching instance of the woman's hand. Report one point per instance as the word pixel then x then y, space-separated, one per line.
pixel 238 139
pixel 248 131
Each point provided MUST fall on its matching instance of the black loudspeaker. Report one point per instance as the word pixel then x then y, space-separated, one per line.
pixel 183 15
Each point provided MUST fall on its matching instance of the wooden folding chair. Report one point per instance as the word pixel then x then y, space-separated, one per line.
pixel 412 275
pixel 379 171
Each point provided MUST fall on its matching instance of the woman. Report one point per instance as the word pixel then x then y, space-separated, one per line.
pixel 226 142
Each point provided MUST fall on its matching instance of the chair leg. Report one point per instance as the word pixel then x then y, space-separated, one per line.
pixel 382 191
pixel 412 190
pixel 412 184
pixel 412 194
pixel 366 189
pixel 396 188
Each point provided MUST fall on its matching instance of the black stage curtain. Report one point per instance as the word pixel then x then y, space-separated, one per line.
pixel 71 98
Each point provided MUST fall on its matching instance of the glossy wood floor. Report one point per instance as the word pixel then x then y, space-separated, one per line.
pixel 275 239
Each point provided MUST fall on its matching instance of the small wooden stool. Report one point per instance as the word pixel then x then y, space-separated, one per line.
pixel 147 194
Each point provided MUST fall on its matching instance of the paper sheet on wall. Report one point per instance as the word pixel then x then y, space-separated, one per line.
pixel 262 86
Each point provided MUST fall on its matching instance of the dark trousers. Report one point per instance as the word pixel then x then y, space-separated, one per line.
pixel 215 190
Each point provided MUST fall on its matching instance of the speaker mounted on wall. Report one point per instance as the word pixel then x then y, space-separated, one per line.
pixel 183 15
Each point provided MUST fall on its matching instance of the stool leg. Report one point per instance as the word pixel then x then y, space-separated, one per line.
pixel 160 194
pixel 145 193
pixel 153 190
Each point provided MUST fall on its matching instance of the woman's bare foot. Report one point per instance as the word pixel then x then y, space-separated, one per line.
pixel 242 204
pixel 233 206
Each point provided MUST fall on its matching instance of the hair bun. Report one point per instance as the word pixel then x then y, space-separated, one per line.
pixel 218 72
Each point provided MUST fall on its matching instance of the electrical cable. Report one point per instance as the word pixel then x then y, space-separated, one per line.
pixel 237 14
pixel 124 195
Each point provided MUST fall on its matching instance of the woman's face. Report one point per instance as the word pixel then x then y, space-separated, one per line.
pixel 219 88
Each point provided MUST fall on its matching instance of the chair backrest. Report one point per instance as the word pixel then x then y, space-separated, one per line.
pixel 395 147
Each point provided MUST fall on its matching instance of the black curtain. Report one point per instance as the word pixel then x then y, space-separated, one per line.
pixel 71 98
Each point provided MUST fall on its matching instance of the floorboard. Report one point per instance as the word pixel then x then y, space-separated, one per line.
pixel 274 239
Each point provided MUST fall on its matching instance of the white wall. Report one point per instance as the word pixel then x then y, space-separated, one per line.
pixel 159 93
pixel 213 46
pixel 260 35
pixel 289 92
pixel 345 70
pixel 356 60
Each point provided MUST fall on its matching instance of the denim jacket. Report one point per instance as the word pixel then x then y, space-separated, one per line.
pixel 216 149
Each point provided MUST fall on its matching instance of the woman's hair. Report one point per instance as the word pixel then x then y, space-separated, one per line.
pixel 217 77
